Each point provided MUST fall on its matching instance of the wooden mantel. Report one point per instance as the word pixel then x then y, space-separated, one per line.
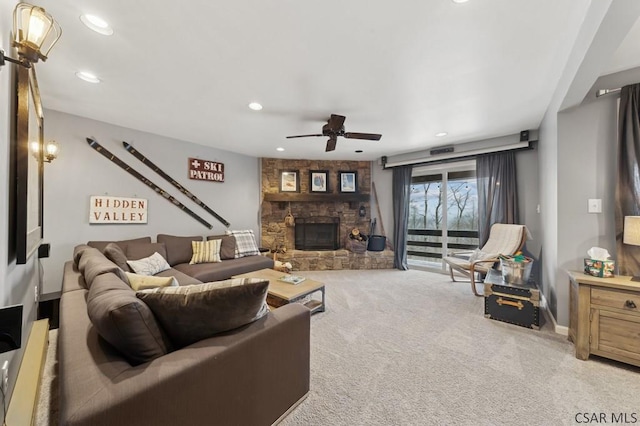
pixel 316 198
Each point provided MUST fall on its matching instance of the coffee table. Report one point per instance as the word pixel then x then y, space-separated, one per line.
pixel 281 293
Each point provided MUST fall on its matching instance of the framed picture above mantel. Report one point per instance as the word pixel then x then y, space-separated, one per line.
pixel 319 181
pixel 348 181
pixel 289 181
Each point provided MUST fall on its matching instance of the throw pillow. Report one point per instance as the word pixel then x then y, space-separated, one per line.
pixel 144 282
pixel 227 246
pixel 178 248
pixel 125 321
pixel 149 265
pixel 481 255
pixel 245 243
pixel 114 253
pixel 191 313
pixel 205 252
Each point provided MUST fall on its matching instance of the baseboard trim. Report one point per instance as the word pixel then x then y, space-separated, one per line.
pixel 559 329
pixel 24 400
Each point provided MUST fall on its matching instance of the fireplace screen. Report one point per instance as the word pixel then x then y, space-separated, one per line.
pixel 317 234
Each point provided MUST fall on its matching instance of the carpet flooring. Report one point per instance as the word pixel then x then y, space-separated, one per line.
pixel 412 348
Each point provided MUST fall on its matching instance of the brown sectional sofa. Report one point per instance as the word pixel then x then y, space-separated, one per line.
pixel 251 375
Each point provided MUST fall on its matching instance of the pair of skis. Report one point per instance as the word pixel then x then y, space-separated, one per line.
pixel 102 150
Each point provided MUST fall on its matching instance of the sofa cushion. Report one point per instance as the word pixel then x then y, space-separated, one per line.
pixel 100 245
pixel 149 265
pixel 125 321
pixel 245 243
pixel 205 251
pixel 191 313
pixel 78 250
pixel 114 253
pixel 206 272
pixel 178 248
pixel 181 277
pixel 227 246
pixel 144 282
pixel 92 263
pixel 137 251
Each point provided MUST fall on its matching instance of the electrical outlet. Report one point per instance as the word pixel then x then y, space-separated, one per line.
pixel 5 377
pixel 35 292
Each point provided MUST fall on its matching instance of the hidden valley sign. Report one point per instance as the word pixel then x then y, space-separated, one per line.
pixel 119 210
pixel 206 170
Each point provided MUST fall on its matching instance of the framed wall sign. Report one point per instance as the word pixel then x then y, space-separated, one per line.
pixel 289 181
pixel 120 210
pixel 211 171
pixel 318 181
pixel 348 181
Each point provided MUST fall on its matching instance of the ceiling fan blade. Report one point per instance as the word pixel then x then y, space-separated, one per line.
pixel 331 144
pixel 336 122
pixel 367 136
pixel 303 136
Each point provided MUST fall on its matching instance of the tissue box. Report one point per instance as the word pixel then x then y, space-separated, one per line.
pixel 599 268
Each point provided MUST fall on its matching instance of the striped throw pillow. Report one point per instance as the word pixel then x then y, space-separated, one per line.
pixel 205 251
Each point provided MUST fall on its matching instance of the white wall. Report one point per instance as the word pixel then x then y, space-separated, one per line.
pixel 81 172
pixel 17 282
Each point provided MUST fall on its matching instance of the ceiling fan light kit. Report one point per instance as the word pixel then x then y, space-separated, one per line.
pixel 335 128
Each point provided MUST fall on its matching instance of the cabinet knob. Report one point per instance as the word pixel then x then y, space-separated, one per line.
pixel 630 304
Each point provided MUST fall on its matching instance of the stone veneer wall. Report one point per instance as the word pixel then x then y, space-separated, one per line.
pixel 275 233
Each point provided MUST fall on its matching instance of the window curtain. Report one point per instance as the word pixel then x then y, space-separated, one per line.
pixel 497 191
pixel 628 182
pixel 401 187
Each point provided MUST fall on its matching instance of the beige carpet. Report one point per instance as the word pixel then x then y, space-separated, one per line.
pixel 412 348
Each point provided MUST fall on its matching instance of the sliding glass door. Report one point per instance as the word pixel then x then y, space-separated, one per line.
pixel 443 213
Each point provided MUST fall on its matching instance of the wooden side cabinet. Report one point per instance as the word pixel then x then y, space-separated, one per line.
pixel 604 317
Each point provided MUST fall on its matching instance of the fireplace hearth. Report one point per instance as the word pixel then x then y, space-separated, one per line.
pixel 317 233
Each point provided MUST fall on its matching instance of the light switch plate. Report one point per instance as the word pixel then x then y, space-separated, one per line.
pixel 595 205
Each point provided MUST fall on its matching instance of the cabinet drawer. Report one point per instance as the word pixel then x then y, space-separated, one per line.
pixel 619 299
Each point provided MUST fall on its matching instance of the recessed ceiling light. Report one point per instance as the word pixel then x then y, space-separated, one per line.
pixel 280 149
pixel 255 106
pixel 87 76
pixel 441 134
pixel 459 1
pixel 96 24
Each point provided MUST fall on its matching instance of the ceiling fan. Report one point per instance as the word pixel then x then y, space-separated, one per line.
pixel 335 128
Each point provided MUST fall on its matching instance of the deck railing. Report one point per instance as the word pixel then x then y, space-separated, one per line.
pixel 423 242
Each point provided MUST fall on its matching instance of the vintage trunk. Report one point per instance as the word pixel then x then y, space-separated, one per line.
pixel 515 304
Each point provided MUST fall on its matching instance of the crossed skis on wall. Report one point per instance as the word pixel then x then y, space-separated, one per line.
pixel 113 158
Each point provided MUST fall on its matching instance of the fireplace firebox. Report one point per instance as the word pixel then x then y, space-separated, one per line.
pixel 317 233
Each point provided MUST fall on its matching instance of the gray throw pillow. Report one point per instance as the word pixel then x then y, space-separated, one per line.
pixel 125 321
pixel 114 253
pixel 227 246
pixel 191 313
pixel 178 248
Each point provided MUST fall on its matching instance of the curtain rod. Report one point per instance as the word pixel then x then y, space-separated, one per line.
pixel 603 92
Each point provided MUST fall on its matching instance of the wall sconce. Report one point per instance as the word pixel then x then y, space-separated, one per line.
pixel 51 150
pixel 35 32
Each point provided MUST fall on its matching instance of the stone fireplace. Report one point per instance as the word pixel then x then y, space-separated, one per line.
pixel 317 233
pixel 322 220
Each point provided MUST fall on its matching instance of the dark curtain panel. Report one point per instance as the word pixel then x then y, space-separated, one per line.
pixel 401 189
pixel 628 183
pixel 497 191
